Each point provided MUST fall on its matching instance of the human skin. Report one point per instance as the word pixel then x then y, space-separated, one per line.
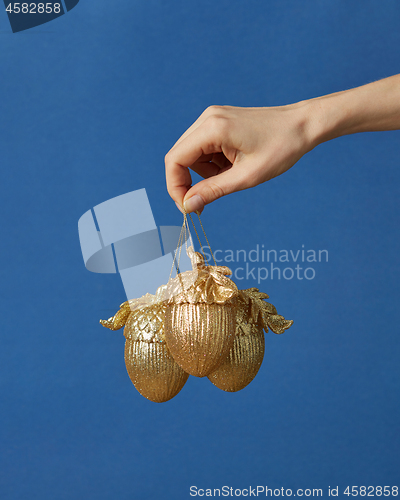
pixel 236 148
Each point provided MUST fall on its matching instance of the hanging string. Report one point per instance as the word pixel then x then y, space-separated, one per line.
pixel 201 246
pixel 178 250
pixel 183 238
pixel 208 243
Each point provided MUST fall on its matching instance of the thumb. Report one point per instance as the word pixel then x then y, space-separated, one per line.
pixel 209 190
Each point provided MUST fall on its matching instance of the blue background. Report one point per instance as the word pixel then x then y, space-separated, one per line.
pixel 90 104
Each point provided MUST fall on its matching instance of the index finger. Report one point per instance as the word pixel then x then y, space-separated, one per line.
pixel 203 140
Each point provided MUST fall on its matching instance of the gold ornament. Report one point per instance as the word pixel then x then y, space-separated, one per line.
pixel 246 355
pixel 200 319
pixel 245 358
pixel 198 324
pixel 150 366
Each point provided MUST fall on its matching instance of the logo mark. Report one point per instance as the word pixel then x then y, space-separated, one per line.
pixel 121 236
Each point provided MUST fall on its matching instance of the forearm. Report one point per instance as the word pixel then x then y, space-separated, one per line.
pixel 370 108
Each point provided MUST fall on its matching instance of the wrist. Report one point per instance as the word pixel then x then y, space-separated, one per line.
pixel 314 122
pixel 327 118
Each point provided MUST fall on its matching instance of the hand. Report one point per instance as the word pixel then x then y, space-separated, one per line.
pixel 236 148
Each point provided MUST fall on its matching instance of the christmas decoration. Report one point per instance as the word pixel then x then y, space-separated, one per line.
pixel 199 323
pixel 150 366
pixel 246 355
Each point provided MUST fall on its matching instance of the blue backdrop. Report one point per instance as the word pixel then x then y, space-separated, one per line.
pixel 90 104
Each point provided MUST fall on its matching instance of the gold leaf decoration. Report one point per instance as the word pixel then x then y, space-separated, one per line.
pixel 119 319
pixel 264 312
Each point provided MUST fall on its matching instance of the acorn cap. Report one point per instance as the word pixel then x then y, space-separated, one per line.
pixel 146 324
pixel 204 284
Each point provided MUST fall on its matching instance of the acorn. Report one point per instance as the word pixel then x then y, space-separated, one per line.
pixel 244 359
pixel 246 356
pixel 200 320
pixel 150 366
pixel 200 336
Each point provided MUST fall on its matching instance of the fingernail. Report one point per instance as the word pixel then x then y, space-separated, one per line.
pixel 194 204
pixel 179 207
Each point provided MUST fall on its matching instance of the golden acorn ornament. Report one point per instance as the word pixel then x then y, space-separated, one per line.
pixel 245 358
pixel 200 318
pixel 150 366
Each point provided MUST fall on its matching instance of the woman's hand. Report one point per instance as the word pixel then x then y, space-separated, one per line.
pixel 234 149
pixel 237 148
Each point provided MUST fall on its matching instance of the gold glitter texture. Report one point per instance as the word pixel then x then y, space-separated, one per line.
pixel 243 362
pixel 150 366
pixel 264 313
pixel 200 321
pixel 200 336
pixel 198 324
pixel 119 319
pixel 246 355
